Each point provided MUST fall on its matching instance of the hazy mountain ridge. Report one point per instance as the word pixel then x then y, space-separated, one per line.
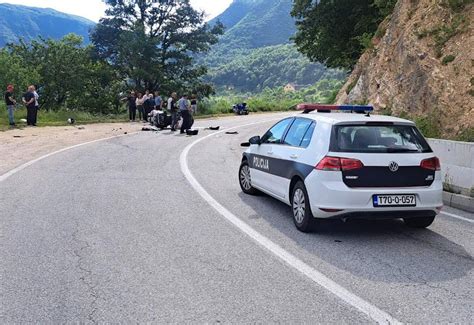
pixel 22 22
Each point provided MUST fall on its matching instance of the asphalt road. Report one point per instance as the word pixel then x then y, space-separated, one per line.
pixel 114 232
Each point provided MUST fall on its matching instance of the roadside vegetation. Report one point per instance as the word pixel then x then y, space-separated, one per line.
pixel 344 29
pixel 122 56
pixel 273 99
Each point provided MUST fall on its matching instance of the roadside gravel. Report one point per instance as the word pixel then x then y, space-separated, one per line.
pixel 19 146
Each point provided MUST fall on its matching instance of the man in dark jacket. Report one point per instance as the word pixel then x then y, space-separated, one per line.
pixel 30 102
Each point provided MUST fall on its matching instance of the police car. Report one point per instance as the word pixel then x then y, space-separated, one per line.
pixel 344 165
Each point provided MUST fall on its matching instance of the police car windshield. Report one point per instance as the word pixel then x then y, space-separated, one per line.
pixel 381 138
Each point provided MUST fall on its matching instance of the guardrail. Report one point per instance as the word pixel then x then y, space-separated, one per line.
pixel 457 167
pixel 457 164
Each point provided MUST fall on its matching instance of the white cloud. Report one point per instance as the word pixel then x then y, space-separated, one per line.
pixel 94 9
pixel 211 7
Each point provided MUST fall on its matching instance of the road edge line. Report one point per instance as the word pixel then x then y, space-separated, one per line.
pixel 17 169
pixel 317 277
pixel 452 215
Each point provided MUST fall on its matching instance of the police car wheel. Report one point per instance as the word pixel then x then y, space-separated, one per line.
pixel 419 222
pixel 302 215
pixel 245 180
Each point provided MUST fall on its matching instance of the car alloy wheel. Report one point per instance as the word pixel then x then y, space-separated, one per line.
pixel 245 179
pixel 302 215
pixel 299 206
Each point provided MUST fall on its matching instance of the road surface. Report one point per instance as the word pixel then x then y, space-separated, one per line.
pixel 114 231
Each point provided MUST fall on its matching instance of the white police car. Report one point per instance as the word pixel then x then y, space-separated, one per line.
pixel 343 165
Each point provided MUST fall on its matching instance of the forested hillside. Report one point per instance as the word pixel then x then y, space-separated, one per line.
pixel 256 51
pixel 28 23
pixel 270 67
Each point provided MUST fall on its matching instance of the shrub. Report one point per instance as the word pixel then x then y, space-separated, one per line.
pixel 448 59
pixel 456 5
pixel 429 125
pixel 466 135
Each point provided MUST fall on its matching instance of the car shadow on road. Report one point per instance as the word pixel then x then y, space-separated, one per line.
pixel 378 250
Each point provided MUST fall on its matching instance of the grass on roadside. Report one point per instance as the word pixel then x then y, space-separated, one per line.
pixel 59 118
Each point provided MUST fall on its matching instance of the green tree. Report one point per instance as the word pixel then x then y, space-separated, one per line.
pixel 68 74
pixel 14 70
pixel 152 42
pixel 335 31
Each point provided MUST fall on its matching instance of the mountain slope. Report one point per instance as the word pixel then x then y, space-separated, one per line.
pixel 256 51
pixel 28 23
pixel 421 67
pixel 263 23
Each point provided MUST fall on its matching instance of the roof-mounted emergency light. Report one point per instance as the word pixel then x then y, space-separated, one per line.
pixel 322 108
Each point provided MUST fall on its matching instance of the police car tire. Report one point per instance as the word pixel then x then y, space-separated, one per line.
pixel 422 222
pixel 247 190
pixel 308 223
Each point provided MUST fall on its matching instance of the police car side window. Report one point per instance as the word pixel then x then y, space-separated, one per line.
pixel 308 136
pixel 276 133
pixel 297 132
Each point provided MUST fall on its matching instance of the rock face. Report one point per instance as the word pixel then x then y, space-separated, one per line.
pixel 421 66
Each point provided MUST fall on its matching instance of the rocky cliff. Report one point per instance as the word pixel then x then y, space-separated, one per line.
pixel 421 66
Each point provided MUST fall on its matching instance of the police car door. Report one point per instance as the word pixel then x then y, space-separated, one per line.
pixel 291 156
pixel 264 160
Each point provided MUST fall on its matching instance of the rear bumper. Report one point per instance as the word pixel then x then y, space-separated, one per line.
pixel 326 190
pixel 385 214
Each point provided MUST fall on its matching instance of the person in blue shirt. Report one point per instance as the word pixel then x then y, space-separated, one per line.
pixel 158 101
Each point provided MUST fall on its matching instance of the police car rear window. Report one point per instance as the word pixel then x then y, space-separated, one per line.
pixel 381 138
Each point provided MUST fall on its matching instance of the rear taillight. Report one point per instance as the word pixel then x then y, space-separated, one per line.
pixel 350 164
pixel 339 164
pixel 431 164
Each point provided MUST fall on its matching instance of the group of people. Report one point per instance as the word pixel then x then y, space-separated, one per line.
pixel 149 105
pixel 29 99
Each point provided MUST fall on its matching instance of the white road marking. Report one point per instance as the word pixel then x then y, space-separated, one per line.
pixel 355 301
pixel 31 162
pixel 452 215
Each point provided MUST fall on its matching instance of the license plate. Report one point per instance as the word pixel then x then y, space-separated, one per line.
pixel 399 200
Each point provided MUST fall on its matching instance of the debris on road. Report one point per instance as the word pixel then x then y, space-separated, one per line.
pixel 192 132
pixel 150 129
pixel 232 133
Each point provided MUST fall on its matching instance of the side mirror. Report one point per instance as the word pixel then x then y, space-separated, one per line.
pixel 255 140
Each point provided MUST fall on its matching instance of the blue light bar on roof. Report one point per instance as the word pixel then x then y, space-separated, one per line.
pixel 322 107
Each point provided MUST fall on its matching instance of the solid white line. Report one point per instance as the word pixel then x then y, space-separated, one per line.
pixel 452 215
pixel 355 301
pixel 31 162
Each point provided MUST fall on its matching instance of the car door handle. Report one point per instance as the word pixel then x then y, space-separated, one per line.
pixel 270 152
pixel 294 156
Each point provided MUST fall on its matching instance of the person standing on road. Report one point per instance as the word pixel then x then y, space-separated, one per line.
pixel 36 98
pixel 30 103
pixel 194 104
pixel 10 102
pixel 132 105
pixel 173 111
pixel 139 104
pixel 148 104
pixel 184 109
pixel 158 101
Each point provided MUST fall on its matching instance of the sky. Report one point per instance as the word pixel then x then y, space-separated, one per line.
pixel 94 9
